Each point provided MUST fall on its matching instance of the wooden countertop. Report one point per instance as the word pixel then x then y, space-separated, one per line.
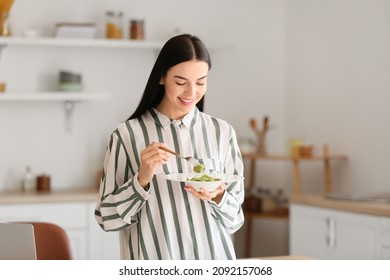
pixel 371 208
pixel 285 258
pixel 69 195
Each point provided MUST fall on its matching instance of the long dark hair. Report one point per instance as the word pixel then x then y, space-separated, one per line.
pixel 176 50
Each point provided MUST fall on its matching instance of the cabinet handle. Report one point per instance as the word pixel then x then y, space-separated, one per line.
pixel 331 238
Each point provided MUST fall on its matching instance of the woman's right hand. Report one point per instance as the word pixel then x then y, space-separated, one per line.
pixel 151 157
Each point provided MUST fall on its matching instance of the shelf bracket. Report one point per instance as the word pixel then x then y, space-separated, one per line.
pixel 69 106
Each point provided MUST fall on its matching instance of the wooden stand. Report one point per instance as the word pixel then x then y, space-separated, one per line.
pixel 253 157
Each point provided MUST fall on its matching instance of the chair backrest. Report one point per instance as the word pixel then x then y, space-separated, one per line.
pixel 51 241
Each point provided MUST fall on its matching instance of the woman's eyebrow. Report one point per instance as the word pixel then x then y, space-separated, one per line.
pixel 180 77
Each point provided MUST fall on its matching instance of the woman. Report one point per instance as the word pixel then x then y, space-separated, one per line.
pixel 159 218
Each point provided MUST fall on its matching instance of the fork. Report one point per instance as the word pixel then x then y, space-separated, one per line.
pixel 191 160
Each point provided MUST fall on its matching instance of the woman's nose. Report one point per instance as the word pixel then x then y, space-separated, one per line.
pixel 192 90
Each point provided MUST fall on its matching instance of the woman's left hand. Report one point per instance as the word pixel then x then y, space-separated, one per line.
pixel 204 194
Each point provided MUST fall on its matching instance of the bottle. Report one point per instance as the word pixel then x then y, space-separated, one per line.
pixel 29 183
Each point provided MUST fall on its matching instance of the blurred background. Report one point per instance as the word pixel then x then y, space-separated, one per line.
pixel 318 69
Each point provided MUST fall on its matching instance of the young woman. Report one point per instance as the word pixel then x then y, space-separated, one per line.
pixel 159 218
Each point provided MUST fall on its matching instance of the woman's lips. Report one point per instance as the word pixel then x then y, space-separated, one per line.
pixel 186 101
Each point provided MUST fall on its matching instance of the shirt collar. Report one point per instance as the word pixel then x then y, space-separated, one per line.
pixel 164 121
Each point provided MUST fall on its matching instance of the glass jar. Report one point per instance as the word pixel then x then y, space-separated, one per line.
pixel 137 29
pixel 268 202
pixel 114 25
pixel 4 24
pixel 281 203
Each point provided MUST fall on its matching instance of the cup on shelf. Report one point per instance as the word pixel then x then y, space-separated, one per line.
pixel 43 183
pixel 306 151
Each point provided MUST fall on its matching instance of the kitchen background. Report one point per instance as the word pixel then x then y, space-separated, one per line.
pixel 319 69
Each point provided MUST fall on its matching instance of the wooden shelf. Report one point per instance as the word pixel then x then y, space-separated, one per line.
pixel 290 158
pixel 325 158
pixel 295 160
pixel 260 215
pixel 79 43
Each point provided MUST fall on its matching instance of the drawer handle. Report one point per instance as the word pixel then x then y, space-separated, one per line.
pixel 331 237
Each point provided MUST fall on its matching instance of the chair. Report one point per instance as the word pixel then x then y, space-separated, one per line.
pixel 51 241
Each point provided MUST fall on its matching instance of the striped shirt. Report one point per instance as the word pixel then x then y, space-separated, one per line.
pixel 165 221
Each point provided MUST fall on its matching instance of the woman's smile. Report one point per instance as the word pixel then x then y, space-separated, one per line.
pixel 186 101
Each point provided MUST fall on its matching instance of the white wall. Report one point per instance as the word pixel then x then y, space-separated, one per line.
pixel 338 55
pixel 246 39
pixel 247 79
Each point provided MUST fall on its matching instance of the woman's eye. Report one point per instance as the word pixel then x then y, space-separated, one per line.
pixel 200 84
pixel 180 83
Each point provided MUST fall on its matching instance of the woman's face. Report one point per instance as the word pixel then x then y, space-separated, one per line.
pixel 185 84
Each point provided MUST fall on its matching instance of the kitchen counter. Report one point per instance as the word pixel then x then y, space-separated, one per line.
pixel 302 258
pixel 69 195
pixel 371 208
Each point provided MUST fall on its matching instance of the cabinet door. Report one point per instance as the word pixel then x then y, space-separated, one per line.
pixel 312 232
pixel 384 246
pixel 77 240
pixel 357 236
pixel 323 233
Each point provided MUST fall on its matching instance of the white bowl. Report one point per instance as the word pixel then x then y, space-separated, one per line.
pixel 197 185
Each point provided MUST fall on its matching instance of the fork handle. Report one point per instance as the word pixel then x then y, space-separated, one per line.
pixel 170 151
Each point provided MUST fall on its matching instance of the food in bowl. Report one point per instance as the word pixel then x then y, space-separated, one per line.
pixel 204 178
pixel 219 178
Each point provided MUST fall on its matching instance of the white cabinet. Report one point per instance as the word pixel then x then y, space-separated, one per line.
pixel 323 233
pixel 384 249
pixel 310 232
pixel 87 240
pixel 102 245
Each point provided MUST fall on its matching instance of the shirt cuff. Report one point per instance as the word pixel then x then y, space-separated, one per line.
pixel 145 194
pixel 222 202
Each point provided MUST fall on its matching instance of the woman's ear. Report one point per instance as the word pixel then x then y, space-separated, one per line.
pixel 162 81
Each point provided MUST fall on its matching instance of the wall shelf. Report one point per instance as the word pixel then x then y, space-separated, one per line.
pixel 79 43
pixel 53 96
pixel 69 98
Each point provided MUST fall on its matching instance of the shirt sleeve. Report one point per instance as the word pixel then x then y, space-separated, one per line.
pixel 121 196
pixel 229 211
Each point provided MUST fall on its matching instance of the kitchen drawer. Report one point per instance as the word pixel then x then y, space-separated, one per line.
pixel 68 215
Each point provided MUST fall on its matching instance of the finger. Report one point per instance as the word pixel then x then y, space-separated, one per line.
pixel 153 153
pixel 218 189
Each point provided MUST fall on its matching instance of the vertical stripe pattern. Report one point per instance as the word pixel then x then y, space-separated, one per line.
pixel 164 221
